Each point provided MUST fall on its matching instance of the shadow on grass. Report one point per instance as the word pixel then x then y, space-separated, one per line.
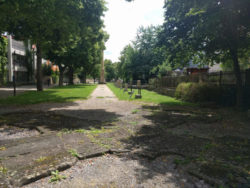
pixel 56 95
pixel 9 93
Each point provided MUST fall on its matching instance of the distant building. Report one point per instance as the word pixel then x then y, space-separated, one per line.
pixel 215 68
pixel 196 68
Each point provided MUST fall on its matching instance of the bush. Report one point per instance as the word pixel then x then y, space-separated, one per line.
pixel 204 92
pixel 55 77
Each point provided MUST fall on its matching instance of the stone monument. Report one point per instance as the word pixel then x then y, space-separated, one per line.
pixel 138 96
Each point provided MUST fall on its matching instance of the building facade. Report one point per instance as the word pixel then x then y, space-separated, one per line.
pixel 17 61
pixel 17 51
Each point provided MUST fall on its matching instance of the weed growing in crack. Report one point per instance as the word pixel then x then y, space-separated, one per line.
pixel 73 153
pixel 135 111
pixel 41 159
pixel 2 148
pixel 81 142
pixel 182 162
pixel 80 131
pixel 59 134
pixel 99 142
pixel 3 170
pixel 134 123
pixel 100 97
pixel 66 131
pixel 56 176
pixel 205 149
pixel 131 132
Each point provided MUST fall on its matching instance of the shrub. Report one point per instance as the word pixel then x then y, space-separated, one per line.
pixel 55 77
pixel 182 91
pixel 204 92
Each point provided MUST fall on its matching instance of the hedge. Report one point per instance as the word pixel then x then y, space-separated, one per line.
pixel 204 92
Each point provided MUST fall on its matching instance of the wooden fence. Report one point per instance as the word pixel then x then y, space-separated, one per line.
pixel 218 78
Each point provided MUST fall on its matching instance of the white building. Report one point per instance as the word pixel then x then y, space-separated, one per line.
pixel 18 49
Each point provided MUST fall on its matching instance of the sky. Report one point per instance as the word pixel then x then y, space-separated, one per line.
pixel 124 18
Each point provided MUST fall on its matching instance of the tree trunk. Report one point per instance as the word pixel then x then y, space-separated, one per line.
pixel 84 79
pixel 71 76
pixel 61 72
pixel 2 73
pixel 239 83
pixel 39 74
pixel 28 77
pixel 61 78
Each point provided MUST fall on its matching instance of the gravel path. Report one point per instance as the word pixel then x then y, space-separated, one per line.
pixel 100 106
pixel 125 170
pixel 113 171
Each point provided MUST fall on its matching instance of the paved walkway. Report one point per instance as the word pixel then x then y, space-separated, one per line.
pixel 111 127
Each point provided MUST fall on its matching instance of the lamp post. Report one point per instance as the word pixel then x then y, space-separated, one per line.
pixel 14 73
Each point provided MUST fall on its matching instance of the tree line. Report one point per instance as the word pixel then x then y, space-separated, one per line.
pixel 205 32
pixel 67 32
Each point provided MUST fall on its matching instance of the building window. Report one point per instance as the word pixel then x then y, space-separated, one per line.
pixel 20 60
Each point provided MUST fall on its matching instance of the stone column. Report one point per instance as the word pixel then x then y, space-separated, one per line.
pixel 102 77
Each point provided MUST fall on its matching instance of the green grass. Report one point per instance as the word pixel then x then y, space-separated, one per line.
pixel 147 96
pixel 56 94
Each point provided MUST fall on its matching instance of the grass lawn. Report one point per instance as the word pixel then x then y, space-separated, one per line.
pixel 147 96
pixel 56 94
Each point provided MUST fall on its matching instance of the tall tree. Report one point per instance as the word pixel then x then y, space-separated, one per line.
pixel 3 58
pixel 138 60
pixel 125 66
pixel 42 21
pixel 217 28
pixel 110 70
pixel 82 51
pixel 95 73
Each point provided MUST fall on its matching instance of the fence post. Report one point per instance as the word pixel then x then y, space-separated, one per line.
pixel 200 77
pixel 220 81
pixel 247 77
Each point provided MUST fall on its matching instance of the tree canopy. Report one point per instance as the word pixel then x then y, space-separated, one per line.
pixel 53 25
pixel 3 58
pixel 216 29
pixel 110 70
pixel 139 59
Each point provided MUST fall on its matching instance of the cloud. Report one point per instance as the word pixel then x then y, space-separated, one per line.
pixel 123 19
